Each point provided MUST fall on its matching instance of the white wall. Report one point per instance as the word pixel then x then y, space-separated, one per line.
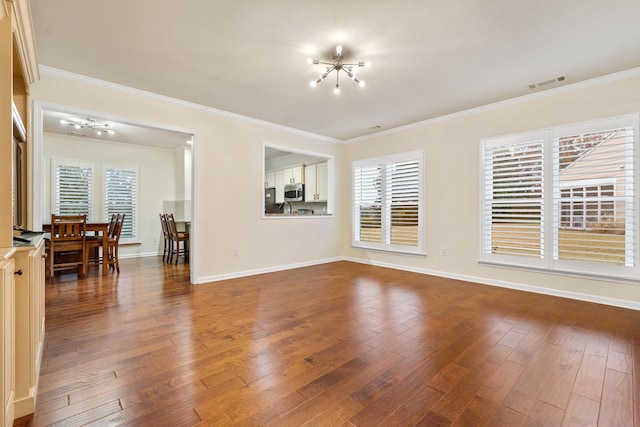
pixel 157 180
pixel 452 148
pixel 228 190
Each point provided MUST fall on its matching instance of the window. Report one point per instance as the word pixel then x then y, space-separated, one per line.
pixel 73 188
pixel 590 207
pixel 387 203
pixel 120 196
pixel 563 199
pixel 73 192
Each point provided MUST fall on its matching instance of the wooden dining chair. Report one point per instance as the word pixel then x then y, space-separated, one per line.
pixel 67 247
pixel 94 243
pixel 167 238
pixel 177 237
pixel 114 243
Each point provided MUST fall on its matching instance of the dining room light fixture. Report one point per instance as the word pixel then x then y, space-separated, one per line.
pixel 91 125
pixel 338 65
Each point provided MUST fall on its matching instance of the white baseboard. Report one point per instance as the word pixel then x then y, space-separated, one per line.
pixel 143 255
pixel 254 272
pixel 615 302
pixel 510 285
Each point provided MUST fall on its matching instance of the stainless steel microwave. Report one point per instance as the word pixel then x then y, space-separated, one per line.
pixel 294 193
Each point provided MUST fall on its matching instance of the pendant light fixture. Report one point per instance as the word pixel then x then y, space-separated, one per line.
pixel 90 124
pixel 338 65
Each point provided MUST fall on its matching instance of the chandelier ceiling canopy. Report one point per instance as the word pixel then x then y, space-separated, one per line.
pixel 91 125
pixel 337 65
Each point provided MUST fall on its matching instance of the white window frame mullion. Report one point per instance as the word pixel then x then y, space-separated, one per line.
pixel 632 178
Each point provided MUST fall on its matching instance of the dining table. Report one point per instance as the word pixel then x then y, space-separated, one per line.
pixel 97 228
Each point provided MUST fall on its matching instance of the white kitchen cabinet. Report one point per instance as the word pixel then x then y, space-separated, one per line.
pixel 7 343
pixel 280 182
pixel 316 182
pixel 294 175
pixel 270 179
pixel 29 341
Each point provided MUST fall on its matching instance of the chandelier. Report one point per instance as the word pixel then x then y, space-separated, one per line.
pixel 338 65
pixel 90 124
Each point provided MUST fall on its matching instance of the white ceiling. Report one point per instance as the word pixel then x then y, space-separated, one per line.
pixel 124 132
pixel 429 57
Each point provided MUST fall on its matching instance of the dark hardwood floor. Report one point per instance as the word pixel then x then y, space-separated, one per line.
pixel 335 344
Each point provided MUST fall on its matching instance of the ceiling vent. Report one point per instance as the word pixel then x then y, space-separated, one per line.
pixel 547 82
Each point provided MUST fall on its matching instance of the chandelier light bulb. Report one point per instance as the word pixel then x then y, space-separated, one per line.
pixel 77 126
pixel 361 83
pixel 339 50
pixel 64 122
pixel 309 60
pixel 367 64
pixel 314 83
pixel 337 89
pixel 99 132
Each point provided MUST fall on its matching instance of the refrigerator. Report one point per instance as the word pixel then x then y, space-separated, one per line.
pixel 270 205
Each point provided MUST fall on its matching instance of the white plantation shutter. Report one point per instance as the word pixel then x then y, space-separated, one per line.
pixel 72 188
pixel 121 187
pixel 403 202
pixel 564 199
pixel 387 196
pixel 593 199
pixel 368 203
pixel 513 199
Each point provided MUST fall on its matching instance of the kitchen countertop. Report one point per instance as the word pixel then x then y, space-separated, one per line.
pixel 296 215
pixel 26 239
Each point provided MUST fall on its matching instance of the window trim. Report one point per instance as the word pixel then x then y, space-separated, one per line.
pixel 548 263
pixel 384 161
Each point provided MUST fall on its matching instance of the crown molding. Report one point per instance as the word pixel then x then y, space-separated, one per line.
pixel 55 72
pixel 634 72
pixel 25 39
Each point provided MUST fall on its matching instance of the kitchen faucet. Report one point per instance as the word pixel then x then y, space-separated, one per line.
pixel 290 207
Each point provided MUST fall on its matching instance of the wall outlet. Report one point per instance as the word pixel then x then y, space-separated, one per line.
pixel 443 252
pixel 236 252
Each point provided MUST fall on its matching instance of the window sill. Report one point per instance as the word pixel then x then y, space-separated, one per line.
pixel 566 273
pixel 391 251
pixel 278 215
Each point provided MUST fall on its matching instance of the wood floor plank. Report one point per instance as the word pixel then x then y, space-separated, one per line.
pixel 581 411
pixel 590 376
pixel 414 408
pixel 562 376
pixel 524 393
pixel 616 407
pixel 334 344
